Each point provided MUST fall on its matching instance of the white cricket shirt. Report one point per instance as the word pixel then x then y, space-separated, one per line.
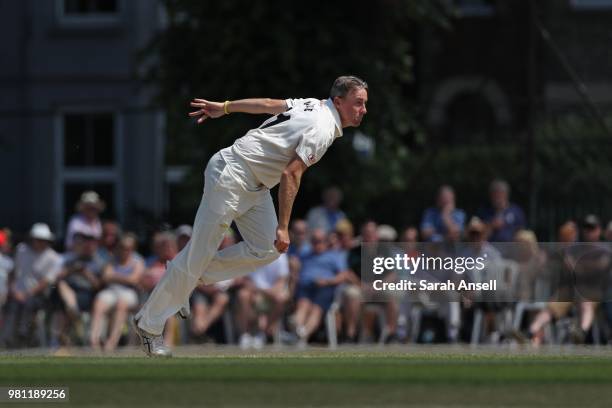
pixel 307 128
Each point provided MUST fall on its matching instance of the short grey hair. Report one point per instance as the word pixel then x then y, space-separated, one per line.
pixel 499 185
pixel 346 83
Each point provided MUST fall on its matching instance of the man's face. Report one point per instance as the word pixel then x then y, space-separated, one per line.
pixel 38 245
pixel 369 232
pixel 110 234
pixel 499 198
pixel 591 233
pixel 90 246
pixel 299 232
pixel 352 107
pixel 446 197
pixel 318 241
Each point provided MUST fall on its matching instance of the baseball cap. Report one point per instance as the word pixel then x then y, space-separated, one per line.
pixel 591 221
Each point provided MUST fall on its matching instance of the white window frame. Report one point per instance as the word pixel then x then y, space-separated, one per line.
pixel 86 19
pixel 87 174
pixel 587 5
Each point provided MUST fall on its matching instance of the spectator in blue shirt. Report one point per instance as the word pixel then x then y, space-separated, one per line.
pixel 443 222
pixel 503 218
pixel 322 270
pixel 326 216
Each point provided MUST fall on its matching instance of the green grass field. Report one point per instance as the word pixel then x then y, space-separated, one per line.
pixel 318 378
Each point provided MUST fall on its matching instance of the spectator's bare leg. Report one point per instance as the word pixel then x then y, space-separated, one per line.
pixel 313 320
pixel 100 308
pixel 369 321
pixel 541 319
pixel 391 314
pixel 301 313
pixel 352 310
pixel 277 308
pixel 220 302
pixel 587 315
pixel 69 299
pixel 245 314
pixel 198 321
pixel 121 312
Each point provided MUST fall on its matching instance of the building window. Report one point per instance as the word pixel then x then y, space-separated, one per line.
pixel 591 4
pixel 474 8
pixel 86 7
pixel 89 157
pixel 89 11
pixel 89 140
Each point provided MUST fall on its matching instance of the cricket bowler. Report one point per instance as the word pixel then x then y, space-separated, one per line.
pixel 237 183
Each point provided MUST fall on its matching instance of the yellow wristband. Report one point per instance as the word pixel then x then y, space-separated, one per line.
pixel 225 106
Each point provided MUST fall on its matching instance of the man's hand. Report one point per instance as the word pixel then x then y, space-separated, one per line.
pixel 282 240
pixel 207 109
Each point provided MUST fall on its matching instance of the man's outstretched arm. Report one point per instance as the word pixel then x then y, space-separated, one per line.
pixel 210 109
pixel 287 191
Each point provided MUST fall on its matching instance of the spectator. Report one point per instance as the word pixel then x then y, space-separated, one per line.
pixel 565 297
pixel 321 272
pixel 165 249
pixel 503 218
pixel 208 302
pixel 111 231
pixel 261 302
pixel 352 298
pixel 531 272
pixel 326 216
pixel 298 248
pixel 36 267
pixel 443 222
pixel 183 235
pixel 78 282
pixel 373 248
pixel 121 277
pixel 6 267
pixel 86 221
pixel 299 239
pixel 6 246
pixel 477 246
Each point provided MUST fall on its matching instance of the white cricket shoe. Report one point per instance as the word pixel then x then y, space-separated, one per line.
pixel 246 341
pixel 152 345
pixel 259 341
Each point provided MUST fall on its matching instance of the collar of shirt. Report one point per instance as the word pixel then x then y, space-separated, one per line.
pixel 332 109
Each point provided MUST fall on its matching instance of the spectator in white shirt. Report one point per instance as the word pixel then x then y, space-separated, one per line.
pixel 36 267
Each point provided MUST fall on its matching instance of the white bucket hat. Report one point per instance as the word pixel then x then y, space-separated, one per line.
pixel 91 198
pixel 41 231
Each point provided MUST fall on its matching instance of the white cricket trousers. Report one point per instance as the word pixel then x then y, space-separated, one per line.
pixel 224 200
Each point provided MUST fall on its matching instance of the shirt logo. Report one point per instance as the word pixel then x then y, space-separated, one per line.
pixel 311 158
